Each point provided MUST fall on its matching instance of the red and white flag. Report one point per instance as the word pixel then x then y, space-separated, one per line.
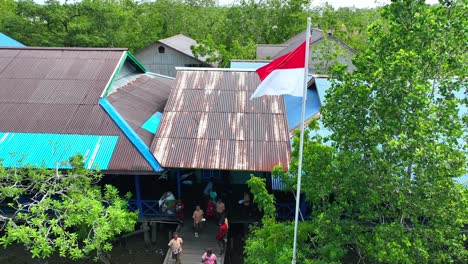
pixel 284 75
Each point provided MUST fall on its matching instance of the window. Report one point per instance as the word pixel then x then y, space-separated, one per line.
pixel 161 49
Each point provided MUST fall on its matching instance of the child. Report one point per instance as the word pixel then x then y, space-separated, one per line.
pixel 209 257
pixel 176 247
pixel 180 210
pixel 210 209
pixel 197 219
pixel 222 237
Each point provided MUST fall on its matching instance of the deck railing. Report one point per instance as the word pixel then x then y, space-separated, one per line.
pixel 286 211
pixel 150 208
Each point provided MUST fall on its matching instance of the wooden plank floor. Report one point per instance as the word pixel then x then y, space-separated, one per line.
pixel 193 248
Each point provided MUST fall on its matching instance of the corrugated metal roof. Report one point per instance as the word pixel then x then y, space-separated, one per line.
pixel 182 44
pixel 7 41
pixel 140 99
pixel 57 91
pixel 294 108
pixel 322 85
pixel 56 149
pixel 293 103
pixel 268 51
pixel 315 34
pixel 237 64
pixel 152 123
pixel 274 51
pixel 209 122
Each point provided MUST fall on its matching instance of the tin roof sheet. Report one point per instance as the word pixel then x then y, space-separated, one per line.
pixel 140 99
pixel 57 91
pixel 56 149
pixel 181 43
pixel 209 122
pixel 7 41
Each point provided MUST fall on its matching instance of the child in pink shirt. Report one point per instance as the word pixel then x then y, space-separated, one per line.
pixel 209 257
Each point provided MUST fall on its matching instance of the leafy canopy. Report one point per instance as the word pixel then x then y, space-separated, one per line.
pixel 49 211
pixel 382 189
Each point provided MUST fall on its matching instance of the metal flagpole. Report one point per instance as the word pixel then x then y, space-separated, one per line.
pixel 301 144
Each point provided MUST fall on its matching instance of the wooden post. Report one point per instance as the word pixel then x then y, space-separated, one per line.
pixel 146 234
pixel 303 205
pixel 138 196
pixel 179 194
pixel 154 232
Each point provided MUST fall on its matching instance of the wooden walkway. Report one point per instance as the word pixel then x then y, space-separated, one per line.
pixel 193 248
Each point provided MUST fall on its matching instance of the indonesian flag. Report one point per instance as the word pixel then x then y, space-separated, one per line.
pixel 284 75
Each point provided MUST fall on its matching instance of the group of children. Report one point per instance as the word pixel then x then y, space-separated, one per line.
pixel 213 210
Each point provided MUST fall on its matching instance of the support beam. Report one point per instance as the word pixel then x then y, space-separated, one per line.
pixel 303 205
pixel 138 196
pixel 179 194
pixel 154 232
pixel 146 233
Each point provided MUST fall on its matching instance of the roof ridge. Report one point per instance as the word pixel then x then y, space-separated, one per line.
pixel 213 69
pixel 67 48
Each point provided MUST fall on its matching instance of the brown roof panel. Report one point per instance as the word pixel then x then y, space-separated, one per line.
pixel 140 99
pixel 57 90
pixel 210 123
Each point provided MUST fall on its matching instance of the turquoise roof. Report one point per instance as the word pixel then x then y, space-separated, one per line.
pixel 152 123
pixel 50 150
pixel 6 41
pixel 323 85
pixel 294 107
pixel 247 64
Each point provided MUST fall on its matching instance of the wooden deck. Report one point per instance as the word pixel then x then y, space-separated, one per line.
pixel 193 248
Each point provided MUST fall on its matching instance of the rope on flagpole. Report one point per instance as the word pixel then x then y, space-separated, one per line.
pixel 301 144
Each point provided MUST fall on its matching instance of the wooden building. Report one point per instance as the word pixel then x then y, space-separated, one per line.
pixel 321 46
pixel 164 55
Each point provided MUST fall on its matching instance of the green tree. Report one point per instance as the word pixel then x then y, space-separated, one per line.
pixel 68 213
pixel 383 189
pixel 7 10
pixel 325 55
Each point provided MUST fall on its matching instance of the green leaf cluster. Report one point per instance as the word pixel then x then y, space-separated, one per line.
pixel 234 29
pixel 382 186
pixel 61 211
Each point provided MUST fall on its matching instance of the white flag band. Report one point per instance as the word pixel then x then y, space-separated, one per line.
pixel 282 81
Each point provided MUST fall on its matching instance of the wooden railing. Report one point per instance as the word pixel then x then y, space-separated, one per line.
pixel 150 208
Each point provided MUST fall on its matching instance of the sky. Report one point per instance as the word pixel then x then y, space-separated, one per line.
pixel 356 3
pixel 334 3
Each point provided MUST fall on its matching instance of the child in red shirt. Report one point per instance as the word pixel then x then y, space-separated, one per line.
pixel 222 236
pixel 180 210
pixel 210 209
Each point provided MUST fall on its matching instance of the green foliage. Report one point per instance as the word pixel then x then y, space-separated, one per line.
pixel 382 189
pixel 134 24
pixel 348 24
pixel 264 200
pixel 397 134
pixel 325 55
pixel 270 243
pixel 267 243
pixel 64 213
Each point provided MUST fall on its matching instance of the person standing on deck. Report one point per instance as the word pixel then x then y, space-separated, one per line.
pixel 180 210
pixel 221 238
pixel 209 257
pixel 220 209
pixel 210 209
pixel 197 219
pixel 176 247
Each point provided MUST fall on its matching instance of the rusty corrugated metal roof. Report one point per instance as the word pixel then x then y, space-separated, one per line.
pixel 57 90
pixel 210 123
pixel 140 99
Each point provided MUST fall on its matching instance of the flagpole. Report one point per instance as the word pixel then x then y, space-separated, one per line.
pixel 301 144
